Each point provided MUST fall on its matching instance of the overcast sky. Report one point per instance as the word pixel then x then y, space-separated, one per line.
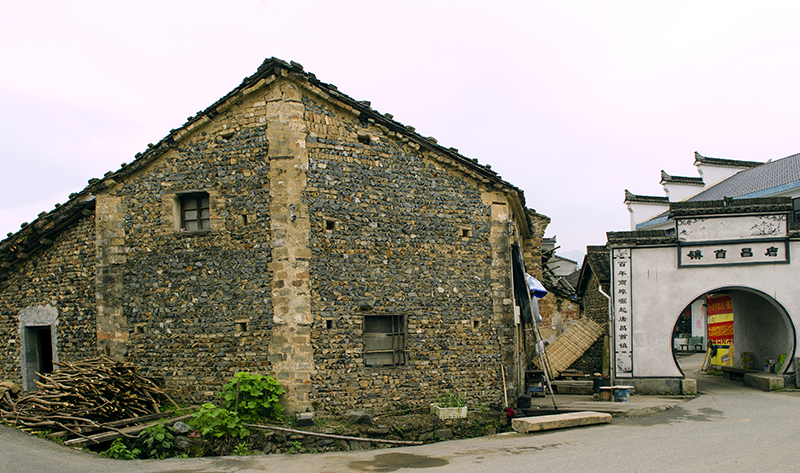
pixel 571 101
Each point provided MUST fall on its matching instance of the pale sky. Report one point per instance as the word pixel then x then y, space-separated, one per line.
pixel 571 101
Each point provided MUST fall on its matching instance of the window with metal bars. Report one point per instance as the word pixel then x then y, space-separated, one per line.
pixel 384 340
pixel 796 210
pixel 195 212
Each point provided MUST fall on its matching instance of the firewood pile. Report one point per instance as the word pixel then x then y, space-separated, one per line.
pixel 85 398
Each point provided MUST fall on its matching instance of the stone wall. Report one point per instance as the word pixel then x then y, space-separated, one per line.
pixel 557 312
pixel 197 305
pixel 532 246
pixel 396 232
pixel 595 307
pixel 318 219
pixel 60 276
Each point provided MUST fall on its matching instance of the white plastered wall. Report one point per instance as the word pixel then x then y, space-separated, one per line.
pixel 660 291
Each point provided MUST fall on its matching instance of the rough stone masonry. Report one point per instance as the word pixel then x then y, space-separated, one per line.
pixel 325 221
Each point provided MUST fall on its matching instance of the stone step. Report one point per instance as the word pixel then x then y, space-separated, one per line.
pixel 559 421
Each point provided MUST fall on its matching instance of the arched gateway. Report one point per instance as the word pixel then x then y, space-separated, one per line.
pixel 726 265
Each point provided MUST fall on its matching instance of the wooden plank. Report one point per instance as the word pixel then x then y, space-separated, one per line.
pixel 131 431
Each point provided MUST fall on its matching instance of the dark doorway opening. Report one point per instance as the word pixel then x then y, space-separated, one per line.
pixel 39 353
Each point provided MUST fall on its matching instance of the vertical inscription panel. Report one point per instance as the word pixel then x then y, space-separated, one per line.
pixel 622 304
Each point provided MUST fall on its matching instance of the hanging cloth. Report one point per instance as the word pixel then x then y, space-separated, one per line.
pixel 537 289
pixel 521 290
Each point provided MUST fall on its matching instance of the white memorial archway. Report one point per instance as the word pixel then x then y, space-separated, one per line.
pixel 737 247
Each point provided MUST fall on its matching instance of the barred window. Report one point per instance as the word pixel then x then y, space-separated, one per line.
pixel 384 340
pixel 195 212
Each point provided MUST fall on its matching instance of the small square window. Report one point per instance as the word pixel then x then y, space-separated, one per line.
pixel 384 340
pixel 330 225
pixel 195 212
pixel 240 325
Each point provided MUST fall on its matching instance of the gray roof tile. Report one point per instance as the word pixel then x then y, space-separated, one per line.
pixel 759 181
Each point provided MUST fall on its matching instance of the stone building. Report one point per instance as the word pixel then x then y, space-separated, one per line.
pixel 287 229
pixel 593 288
pixel 560 307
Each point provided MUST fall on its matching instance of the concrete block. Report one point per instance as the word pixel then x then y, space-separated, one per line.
pixel 559 421
pixel 655 385
pixel 764 381
pixel 689 386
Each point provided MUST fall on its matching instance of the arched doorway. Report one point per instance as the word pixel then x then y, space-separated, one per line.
pixel 747 328
pixel 737 248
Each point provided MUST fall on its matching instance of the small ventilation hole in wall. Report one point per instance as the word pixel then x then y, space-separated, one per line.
pixel 329 324
pixel 330 225
pixel 241 326
pixel 466 233
pixel 138 329
pixel 476 324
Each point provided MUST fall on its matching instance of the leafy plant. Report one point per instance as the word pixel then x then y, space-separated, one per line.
pixel 213 421
pixel 157 440
pixel 119 451
pixel 451 399
pixel 242 449
pixel 253 397
pixel 297 447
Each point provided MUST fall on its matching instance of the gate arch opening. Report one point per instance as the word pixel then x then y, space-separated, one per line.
pixel 758 328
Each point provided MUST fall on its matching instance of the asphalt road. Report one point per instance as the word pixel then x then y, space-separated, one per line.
pixel 727 428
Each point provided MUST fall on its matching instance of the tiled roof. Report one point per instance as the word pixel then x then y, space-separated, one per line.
pixel 728 163
pixel 641 237
pixel 763 180
pixel 645 199
pixel 730 206
pixel 759 181
pixel 25 241
pixel 572 278
pixel 596 262
pixel 686 180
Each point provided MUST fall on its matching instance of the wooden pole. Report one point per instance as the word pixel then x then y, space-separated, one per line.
pixel 505 390
pixel 332 436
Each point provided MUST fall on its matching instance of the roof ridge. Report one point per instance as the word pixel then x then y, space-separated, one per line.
pixel 733 163
pixel 669 179
pixel 645 199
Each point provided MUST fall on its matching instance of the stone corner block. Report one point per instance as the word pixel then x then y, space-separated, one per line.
pixel 689 386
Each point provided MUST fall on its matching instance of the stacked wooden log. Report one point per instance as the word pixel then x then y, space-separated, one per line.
pixel 89 396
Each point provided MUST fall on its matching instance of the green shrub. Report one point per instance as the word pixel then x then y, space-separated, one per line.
pixel 119 451
pixel 253 397
pixel 297 447
pixel 242 449
pixel 452 399
pixel 213 421
pixel 157 440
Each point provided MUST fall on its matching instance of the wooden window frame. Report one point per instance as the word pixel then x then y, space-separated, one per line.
pixel 201 220
pixel 385 338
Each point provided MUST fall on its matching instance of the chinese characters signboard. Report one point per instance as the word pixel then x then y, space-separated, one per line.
pixel 733 253
pixel 622 304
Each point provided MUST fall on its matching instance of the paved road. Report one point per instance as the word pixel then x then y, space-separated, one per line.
pixel 727 428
